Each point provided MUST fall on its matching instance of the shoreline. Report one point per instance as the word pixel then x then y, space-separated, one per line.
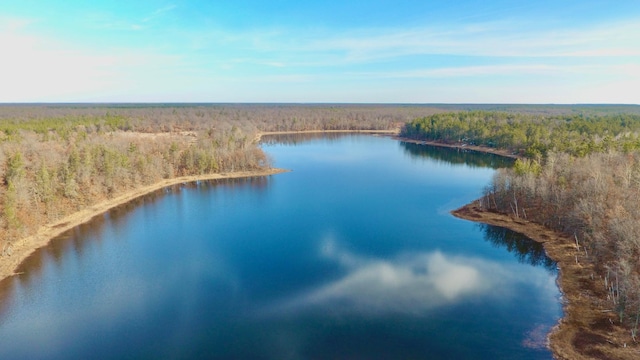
pixel 588 328
pixel 23 248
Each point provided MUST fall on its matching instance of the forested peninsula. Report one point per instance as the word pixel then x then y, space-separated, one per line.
pixel 579 176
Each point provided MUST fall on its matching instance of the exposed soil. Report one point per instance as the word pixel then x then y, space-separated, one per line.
pixel 589 329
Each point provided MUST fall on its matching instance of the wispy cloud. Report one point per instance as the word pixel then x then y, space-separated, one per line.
pixel 290 59
pixel 108 21
pixel 499 39
pixel 507 70
pixel 468 71
pixel 496 40
pixel 159 12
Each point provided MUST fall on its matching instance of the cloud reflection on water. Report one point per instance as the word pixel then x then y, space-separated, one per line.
pixel 410 283
pixel 123 301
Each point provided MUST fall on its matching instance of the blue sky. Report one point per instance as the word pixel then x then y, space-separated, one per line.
pixel 374 51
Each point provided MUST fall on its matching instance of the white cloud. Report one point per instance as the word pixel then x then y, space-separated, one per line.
pixel 40 68
pixel 12 24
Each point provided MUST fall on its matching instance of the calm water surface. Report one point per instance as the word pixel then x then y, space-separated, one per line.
pixel 352 255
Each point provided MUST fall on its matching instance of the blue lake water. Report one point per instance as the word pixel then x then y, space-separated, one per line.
pixel 351 255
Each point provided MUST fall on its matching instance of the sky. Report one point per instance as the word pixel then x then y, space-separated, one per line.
pixel 292 51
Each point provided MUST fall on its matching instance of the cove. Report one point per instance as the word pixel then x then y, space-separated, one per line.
pixel 351 255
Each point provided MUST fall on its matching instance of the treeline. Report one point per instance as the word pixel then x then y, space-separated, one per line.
pixel 249 117
pixel 531 135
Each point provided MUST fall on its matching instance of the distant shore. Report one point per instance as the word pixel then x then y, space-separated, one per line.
pixel 23 248
pixel 381 132
pixel 462 146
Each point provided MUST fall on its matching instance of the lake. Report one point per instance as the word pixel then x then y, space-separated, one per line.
pixel 351 255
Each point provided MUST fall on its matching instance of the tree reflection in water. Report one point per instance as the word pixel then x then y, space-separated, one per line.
pixel 523 248
pixel 456 156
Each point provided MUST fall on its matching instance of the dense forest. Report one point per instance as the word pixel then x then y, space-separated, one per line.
pixel 531 135
pixel 577 174
pixel 57 159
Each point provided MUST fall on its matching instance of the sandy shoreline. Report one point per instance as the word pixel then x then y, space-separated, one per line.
pixel 588 329
pixel 23 248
